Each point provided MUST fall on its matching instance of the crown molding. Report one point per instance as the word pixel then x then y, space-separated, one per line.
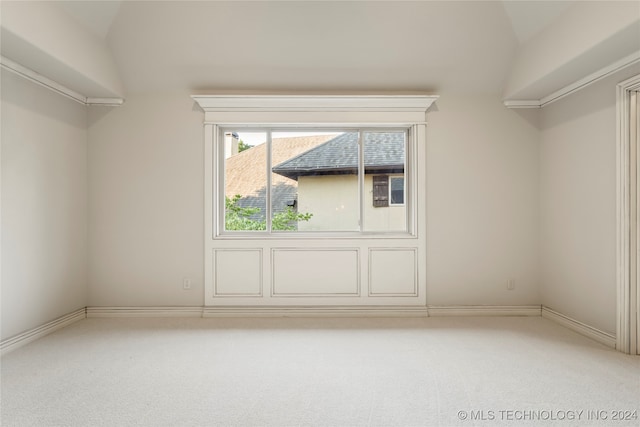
pixel 531 103
pixel 46 82
pixel 582 83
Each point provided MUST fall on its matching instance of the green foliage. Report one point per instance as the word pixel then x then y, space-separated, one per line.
pixel 237 218
pixel 288 220
pixel 243 146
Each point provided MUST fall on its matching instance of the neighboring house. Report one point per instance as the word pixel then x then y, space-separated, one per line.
pixel 245 172
pixel 327 178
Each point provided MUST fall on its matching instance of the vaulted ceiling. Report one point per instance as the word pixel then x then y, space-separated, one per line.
pixel 527 17
pixel 430 46
pixel 314 45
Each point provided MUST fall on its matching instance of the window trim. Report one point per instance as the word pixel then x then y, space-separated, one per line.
pixel 410 175
pixel 245 111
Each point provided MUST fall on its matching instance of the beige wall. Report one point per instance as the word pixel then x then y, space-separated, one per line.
pixel 482 202
pixel 333 201
pixel 146 202
pixel 499 205
pixel 578 204
pixel 146 212
pixel 44 205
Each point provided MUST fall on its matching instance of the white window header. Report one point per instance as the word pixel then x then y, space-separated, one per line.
pixel 309 109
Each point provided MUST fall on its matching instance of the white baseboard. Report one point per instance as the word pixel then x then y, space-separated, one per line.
pixel 579 327
pixel 26 337
pixel 345 311
pixel 315 311
pixel 31 335
pixel 484 310
pixel 144 311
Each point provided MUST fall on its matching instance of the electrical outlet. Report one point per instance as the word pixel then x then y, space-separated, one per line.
pixel 186 284
pixel 511 284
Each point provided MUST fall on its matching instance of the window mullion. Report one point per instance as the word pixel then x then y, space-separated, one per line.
pixel 268 189
pixel 411 178
pixel 361 173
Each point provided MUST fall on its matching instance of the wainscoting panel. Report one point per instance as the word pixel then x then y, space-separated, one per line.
pixel 237 272
pixel 393 272
pixel 315 272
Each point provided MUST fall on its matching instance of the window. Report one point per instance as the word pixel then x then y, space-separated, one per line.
pixel 289 200
pixel 388 191
pixel 244 182
pixel 396 190
pixel 304 180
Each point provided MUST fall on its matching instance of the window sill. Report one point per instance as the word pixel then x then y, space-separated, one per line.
pixel 321 235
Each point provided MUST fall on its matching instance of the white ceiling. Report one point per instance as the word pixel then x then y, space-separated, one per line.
pixel 528 18
pixel 95 16
pixel 314 45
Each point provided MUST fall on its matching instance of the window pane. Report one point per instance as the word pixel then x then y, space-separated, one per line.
pixel 315 181
pixel 384 187
pixel 245 180
pixel 396 190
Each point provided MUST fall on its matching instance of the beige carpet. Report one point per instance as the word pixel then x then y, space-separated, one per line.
pixel 318 372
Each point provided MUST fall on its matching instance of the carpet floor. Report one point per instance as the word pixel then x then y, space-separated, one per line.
pixel 318 372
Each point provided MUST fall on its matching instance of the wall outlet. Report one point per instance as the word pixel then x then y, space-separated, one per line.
pixel 511 284
pixel 186 284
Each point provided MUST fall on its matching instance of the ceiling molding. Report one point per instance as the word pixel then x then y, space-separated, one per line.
pixel 104 102
pixel 584 82
pixel 532 103
pixel 46 82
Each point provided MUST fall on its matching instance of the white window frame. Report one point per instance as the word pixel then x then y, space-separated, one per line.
pixel 410 175
pixel 319 112
pixel 259 263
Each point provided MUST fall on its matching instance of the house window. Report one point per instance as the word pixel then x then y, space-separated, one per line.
pixel 388 191
pixel 287 181
pixel 396 190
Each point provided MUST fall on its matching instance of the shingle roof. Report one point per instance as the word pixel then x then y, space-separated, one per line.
pixel 245 172
pixel 383 152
